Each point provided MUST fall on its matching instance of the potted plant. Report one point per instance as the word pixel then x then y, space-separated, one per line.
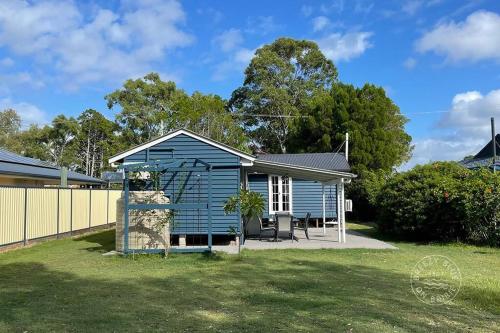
pixel 251 204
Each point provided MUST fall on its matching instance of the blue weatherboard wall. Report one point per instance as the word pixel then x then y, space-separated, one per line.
pixel 306 195
pixel 225 183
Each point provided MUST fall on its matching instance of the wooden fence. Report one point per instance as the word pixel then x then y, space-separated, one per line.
pixel 30 213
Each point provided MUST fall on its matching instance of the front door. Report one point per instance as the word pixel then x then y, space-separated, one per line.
pixel 280 194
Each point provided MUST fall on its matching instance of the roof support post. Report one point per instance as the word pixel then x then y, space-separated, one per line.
pixel 125 212
pixel 209 213
pixel 324 208
pixel 338 212
pixel 493 143
pixel 342 210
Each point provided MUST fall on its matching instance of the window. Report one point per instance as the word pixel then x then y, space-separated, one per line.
pixel 280 194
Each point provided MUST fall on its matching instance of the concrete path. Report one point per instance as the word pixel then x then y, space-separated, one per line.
pixel 317 240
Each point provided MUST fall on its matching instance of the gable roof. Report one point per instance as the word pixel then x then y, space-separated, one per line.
pixel 175 133
pixel 487 150
pixel 322 161
pixel 17 165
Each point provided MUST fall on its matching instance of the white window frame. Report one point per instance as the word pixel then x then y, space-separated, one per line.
pixel 280 194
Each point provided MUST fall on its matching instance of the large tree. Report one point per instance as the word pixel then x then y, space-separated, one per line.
pixel 146 107
pixel 96 142
pixel 10 124
pixel 151 107
pixel 378 140
pixel 279 82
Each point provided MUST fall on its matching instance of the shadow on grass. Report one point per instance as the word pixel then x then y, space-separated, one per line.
pixel 105 241
pixel 256 293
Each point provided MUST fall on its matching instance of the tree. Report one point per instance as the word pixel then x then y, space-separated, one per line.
pixel 60 140
pixel 151 107
pixel 146 107
pixel 279 83
pixel 31 142
pixel 96 142
pixel 10 124
pixel 378 140
pixel 207 115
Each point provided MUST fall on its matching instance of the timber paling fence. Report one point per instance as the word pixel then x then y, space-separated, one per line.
pixel 34 213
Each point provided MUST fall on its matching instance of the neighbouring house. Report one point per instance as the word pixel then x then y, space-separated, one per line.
pixel 294 183
pixel 17 170
pixel 484 158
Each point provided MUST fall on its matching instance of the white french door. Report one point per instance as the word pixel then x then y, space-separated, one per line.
pixel 280 194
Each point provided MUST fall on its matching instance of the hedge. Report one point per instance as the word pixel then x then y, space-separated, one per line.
pixel 441 202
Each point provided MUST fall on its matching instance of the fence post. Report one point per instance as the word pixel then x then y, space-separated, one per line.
pixel 107 207
pixel 71 212
pixel 25 215
pixel 90 208
pixel 57 213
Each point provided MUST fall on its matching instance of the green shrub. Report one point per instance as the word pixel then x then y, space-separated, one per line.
pixel 363 191
pixel 480 203
pixel 441 202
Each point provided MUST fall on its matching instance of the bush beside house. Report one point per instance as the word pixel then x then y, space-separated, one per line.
pixel 440 202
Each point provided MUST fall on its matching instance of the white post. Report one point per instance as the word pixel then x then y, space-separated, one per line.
pixel 324 209
pixel 343 211
pixel 347 146
pixel 338 213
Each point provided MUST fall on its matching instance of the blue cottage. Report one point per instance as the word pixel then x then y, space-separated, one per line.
pixel 294 183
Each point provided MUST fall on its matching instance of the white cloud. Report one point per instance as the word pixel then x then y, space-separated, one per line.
pixel 262 25
pixel 320 23
pixel 306 10
pixel 29 113
pixel 340 47
pixel 463 130
pixel 471 112
pixel 107 46
pixel 229 39
pixel 236 62
pixel 476 38
pixel 336 6
pixel 363 7
pixel 410 63
pixel 6 62
pixel 411 7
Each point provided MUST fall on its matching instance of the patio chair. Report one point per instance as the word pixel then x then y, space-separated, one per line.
pixel 284 222
pixel 271 227
pixel 303 225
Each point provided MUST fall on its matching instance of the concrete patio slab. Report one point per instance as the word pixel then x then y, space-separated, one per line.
pixel 317 240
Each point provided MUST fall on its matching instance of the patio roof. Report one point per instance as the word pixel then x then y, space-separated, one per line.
pixel 304 167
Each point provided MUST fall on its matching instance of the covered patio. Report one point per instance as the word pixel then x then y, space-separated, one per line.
pixel 333 229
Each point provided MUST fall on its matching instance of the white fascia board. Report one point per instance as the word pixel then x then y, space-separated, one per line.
pixel 174 134
pixel 323 171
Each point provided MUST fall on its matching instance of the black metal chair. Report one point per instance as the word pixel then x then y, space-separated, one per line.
pixel 270 227
pixel 303 225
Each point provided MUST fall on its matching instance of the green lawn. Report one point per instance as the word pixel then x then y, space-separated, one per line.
pixel 67 285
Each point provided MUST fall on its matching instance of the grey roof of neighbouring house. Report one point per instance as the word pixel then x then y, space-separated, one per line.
pixel 324 161
pixel 17 165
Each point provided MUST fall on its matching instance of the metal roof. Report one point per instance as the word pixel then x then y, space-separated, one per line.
pixel 487 150
pixel 323 161
pixel 17 165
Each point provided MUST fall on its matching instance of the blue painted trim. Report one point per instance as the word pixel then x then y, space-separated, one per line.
pixel 209 217
pixel 172 250
pixel 125 219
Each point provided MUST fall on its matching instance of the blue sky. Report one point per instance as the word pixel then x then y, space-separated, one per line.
pixel 439 60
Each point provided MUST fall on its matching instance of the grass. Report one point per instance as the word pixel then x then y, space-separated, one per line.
pixel 67 285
